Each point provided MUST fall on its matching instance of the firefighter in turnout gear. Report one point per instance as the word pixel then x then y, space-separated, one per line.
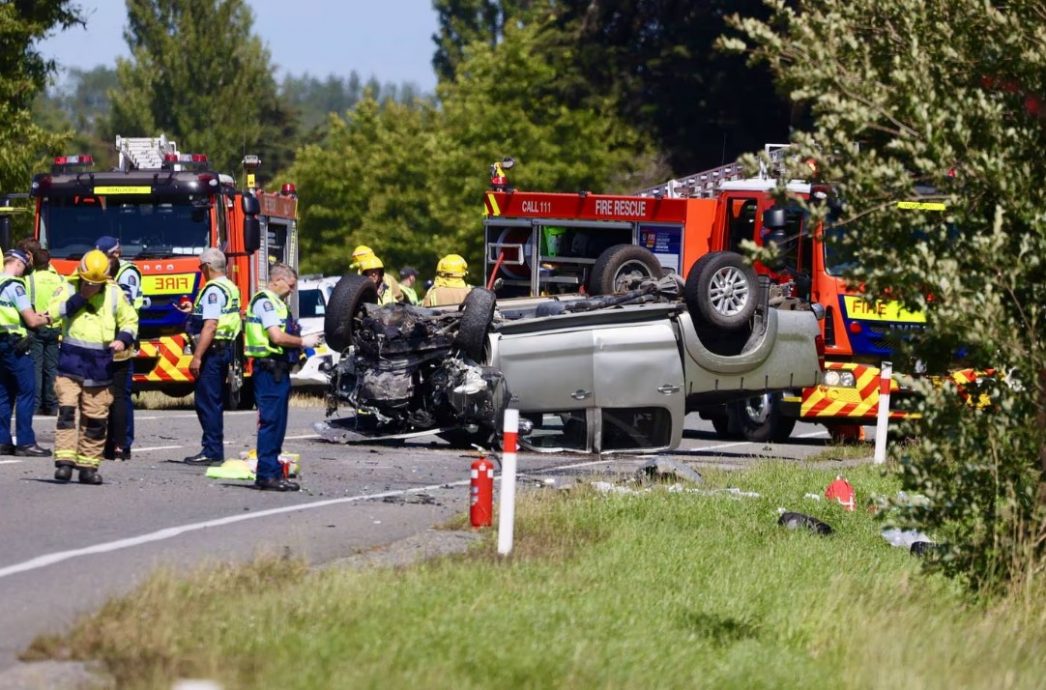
pixel 97 322
pixel 120 436
pixel 367 263
pixel 214 326
pixel 17 385
pixel 450 286
pixel 267 339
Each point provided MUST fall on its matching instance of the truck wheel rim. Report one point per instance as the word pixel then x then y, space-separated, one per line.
pixel 728 291
pixel 630 275
pixel 757 409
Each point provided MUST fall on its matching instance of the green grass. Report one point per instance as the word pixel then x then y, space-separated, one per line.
pixel 657 589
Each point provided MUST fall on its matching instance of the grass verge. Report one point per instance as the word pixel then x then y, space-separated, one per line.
pixel 656 589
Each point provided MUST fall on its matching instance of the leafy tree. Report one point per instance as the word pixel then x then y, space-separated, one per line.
pixel 943 97
pixel 23 75
pixel 408 180
pixel 199 75
pixel 365 183
pixel 655 58
pixel 315 99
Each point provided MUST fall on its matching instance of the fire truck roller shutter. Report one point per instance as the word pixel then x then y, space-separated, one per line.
pixel 343 308
pixel 721 291
pixel 621 268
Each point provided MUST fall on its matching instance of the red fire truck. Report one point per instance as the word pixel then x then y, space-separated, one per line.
pixel 166 207
pixel 541 243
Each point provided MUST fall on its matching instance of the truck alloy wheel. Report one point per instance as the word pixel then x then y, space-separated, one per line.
pixel 721 291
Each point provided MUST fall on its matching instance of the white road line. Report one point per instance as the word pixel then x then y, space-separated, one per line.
pixel 136 449
pixel 171 532
pixel 9 462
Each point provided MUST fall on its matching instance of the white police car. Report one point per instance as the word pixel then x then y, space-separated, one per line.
pixel 313 294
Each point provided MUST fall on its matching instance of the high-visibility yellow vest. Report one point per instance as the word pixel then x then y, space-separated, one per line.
pixel 95 328
pixel 229 323
pixel 10 317
pixel 41 285
pixel 256 338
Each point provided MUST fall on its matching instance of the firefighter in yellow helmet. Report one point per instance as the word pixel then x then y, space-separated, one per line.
pixel 367 263
pixel 97 322
pixel 450 286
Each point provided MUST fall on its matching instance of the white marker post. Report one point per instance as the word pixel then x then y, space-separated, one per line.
pixel 885 375
pixel 507 505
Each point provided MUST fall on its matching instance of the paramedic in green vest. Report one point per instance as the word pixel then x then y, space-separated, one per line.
pixel 268 341
pixel 43 341
pixel 121 417
pixel 214 326
pixel 17 386
pixel 97 323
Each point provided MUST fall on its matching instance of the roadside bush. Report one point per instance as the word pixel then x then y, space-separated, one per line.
pixel 941 101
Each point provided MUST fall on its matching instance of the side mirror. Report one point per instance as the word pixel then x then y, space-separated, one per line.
pixel 251 234
pixel 250 204
pixel 774 217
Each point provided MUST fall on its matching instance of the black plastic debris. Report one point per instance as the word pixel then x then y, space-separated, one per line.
pixel 921 548
pixel 800 521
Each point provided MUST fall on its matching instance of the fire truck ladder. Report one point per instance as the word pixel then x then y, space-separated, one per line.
pixel 706 183
pixel 143 153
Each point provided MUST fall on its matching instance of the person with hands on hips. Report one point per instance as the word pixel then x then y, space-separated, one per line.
pixel 97 322
pixel 214 325
pixel 267 341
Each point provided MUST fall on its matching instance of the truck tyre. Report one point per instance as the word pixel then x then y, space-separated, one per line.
pixel 725 428
pixel 476 316
pixel 720 291
pixel 348 297
pixel 759 419
pixel 621 268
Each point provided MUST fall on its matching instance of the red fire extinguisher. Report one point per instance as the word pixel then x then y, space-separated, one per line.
pixel 481 504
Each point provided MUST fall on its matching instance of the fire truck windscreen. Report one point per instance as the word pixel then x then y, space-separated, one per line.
pixel 146 227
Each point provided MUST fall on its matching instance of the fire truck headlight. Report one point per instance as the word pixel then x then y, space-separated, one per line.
pixel 841 379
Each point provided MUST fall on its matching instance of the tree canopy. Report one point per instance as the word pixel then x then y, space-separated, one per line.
pixel 198 74
pixel 942 99
pixel 23 75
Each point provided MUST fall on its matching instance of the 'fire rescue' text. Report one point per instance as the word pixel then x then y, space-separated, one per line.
pixel 621 207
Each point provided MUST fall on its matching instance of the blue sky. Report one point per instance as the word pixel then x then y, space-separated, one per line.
pixel 390 39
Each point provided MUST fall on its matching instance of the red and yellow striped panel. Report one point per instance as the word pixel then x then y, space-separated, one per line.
pixel 172 362
pixel 859 402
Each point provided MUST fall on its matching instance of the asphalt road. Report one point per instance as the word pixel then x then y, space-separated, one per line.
pixel 65 549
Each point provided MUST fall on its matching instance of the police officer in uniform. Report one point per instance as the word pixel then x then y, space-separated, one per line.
pixel 97 323
pixel 215 324
pixel 268 341
pixel 121 418
pixel 17 382
pixel 43 342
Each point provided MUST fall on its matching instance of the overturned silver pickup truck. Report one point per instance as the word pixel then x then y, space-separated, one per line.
pixel 595 374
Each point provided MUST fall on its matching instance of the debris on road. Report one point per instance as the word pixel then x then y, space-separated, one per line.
pixel 921 548
pixel 842 492
pixel 904 538
pixel 795 521
pixel 663 469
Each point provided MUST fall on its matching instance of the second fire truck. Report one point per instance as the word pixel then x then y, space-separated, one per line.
pixel 544 243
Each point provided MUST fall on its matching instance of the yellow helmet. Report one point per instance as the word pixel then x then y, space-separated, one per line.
pixel 369 262
pixel 94 267
pixel 452 266
pixel 360 252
